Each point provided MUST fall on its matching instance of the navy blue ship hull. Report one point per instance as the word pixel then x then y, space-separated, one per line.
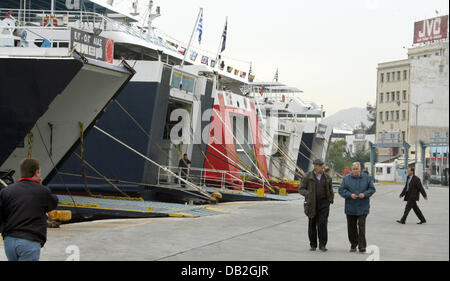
pixel 304 154
pixel 147 102
pixel 28 86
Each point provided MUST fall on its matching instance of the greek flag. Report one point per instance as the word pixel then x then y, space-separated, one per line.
pixel 224 36
pixel 200 29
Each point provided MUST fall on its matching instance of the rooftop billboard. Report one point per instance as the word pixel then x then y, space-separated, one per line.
pixel 430 29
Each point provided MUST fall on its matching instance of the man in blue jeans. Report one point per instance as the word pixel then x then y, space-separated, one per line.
pixel 23 214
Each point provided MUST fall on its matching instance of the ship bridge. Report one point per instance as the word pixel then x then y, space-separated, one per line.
pixel 284 99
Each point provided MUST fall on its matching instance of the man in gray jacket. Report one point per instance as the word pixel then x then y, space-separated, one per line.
pixel 317 188
pixel 357 188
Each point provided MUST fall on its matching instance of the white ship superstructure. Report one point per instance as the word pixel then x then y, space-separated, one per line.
pixel 293 135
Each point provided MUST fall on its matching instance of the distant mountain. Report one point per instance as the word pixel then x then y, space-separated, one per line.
pixel 348 119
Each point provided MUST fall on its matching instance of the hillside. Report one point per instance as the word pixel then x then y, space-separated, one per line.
pixel 348 119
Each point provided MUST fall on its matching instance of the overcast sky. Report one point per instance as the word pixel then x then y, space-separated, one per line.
pixel 329 49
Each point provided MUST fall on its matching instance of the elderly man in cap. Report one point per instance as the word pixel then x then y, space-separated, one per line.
pixel 316 186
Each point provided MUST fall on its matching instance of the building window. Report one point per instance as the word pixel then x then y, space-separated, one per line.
pixel 392 115
pixel 387 115
pixel 382 78
pixel 404 95
pixel 393 96
pixel 388 77
pixel 393 76
pixel 381 97
pixel 381 116
pixel 397 115
pixel 398 95
pixel 387 97
pixel 398 75
pixel 388 170
pixel 403 114
pixel 405 74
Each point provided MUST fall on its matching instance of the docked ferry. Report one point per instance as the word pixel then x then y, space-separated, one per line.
pixel 168 104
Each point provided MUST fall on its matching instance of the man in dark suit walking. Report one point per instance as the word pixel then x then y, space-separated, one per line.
pixel 411 192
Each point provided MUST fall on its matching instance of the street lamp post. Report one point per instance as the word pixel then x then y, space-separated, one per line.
pixel 417 161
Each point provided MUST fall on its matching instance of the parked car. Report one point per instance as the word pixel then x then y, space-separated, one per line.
pixel 435 179
pixel 336 185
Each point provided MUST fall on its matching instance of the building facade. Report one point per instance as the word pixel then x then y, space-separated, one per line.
pixel 420 79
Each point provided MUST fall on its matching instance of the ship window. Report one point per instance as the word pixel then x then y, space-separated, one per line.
pixel 183 81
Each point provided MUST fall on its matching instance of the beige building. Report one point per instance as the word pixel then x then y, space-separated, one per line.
pixel 421 78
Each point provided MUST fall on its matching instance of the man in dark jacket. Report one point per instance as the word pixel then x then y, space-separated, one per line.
pixel 357 188
pixel 317 188
pixel 183 164
pixel 411 192
pixel 23 214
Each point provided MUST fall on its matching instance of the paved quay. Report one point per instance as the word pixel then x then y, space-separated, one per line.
pixel 260 231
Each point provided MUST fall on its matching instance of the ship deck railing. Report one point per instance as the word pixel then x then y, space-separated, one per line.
pixel 220 179
pixel 34 20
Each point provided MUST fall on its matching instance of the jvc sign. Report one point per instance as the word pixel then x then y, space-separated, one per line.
pixel 430 29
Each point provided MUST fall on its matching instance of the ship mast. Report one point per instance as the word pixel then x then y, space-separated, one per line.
pixel 151 17
pixel 192 36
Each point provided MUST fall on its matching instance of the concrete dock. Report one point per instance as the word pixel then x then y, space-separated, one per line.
pixel 259 231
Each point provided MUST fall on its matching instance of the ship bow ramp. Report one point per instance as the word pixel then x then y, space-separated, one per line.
pixel 52 102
